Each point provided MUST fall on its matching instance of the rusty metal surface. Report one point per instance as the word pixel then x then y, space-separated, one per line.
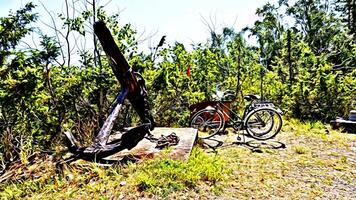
pixel 128 140
pixel 145 149
pixel 133 88
pixel 134 82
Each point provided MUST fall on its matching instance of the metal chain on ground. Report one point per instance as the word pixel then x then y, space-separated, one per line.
pixel 164 141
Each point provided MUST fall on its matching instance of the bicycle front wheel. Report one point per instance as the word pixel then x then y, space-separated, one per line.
pixel 263 124
pixel 209 122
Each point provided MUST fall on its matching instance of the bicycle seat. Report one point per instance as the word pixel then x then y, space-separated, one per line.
pixel 251 97
pixel 229 95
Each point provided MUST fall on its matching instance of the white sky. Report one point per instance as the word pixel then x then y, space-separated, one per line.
pixel 179 20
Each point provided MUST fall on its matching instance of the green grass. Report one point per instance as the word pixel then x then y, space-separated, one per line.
pixel 300 149
pixel 157 177
pixel 316 163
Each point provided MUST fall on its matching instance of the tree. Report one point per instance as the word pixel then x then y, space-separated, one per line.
pixel 347 11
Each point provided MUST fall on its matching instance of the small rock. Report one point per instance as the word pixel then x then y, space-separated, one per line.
pixel 122 183
pixel 69 177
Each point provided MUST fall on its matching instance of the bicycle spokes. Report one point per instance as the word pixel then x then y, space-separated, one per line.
pixel 208 122
pixel 263 123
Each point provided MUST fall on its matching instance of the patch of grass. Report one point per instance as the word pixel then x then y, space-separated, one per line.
pixel 300 149
pixel 157 177
pixel 162 177
pixel 314 164
pixel 315 156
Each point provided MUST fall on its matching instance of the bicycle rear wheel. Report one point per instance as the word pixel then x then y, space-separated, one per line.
pixel 209 122
pixel 263 124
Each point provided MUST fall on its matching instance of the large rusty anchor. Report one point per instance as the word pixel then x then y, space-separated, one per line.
pixel 134 89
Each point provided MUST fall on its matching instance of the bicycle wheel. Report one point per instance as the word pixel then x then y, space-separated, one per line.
pixel 263 123
pixel 209 122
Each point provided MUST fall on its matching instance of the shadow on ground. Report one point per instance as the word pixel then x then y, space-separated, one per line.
pixel 224 141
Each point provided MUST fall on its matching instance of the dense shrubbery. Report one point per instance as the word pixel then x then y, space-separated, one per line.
pixel 308 70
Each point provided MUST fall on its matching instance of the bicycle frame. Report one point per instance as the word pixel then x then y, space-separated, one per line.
pixel 212 117
pixel 236 119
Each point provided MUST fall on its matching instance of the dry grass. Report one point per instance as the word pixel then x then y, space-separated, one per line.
pixel 315 163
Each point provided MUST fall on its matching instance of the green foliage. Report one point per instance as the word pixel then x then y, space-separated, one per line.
pixel 23 94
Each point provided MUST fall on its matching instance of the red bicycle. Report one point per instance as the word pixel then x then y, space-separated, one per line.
pixel 261 119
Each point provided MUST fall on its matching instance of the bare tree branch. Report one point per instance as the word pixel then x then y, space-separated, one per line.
pixel 56 31
pixel 67 34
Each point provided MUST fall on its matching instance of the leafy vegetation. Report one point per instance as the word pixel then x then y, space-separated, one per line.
pixel 306 66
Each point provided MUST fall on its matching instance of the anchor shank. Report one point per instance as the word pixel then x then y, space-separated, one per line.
pixel 136 92
pixel 105 130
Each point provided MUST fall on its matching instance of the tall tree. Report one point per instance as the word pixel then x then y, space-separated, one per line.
pixel 347 10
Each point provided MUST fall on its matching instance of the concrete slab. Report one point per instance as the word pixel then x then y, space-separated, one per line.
pixel 146 149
